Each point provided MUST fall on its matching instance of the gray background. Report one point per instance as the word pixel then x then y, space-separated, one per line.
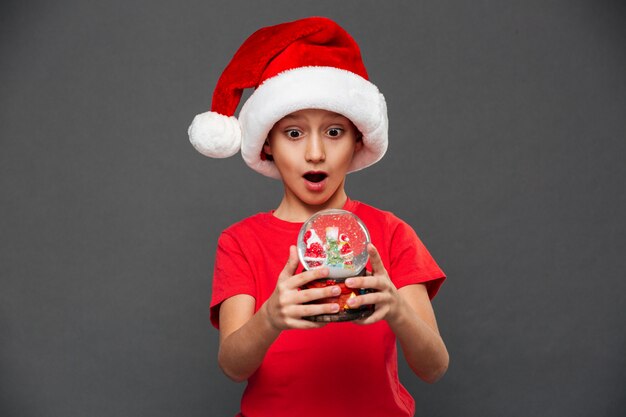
pixel 507 148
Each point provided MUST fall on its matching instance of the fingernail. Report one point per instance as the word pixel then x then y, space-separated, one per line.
pixel 334 308
pixel 336 291
pixel 349 282
pixel 351 301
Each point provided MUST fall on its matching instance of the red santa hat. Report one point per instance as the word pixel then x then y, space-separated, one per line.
pixel 310 63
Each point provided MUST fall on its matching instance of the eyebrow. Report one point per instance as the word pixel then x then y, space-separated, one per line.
pixel 291 116
pixel 299 117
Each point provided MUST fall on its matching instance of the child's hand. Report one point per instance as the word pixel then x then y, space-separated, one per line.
pixel 386 297
pixel 286 306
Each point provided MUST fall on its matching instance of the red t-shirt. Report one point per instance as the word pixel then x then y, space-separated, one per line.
pixel 340 369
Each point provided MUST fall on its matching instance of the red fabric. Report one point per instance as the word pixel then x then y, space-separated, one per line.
pixel 342 368
pixel 313 41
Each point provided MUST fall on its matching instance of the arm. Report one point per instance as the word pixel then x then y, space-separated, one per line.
pixel 409 314
pixel 416 329
pixel 246 336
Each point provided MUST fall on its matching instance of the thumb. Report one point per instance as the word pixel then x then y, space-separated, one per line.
pixel 375 261
pixel 292 263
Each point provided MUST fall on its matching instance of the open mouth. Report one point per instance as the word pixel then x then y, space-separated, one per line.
pixel 315 177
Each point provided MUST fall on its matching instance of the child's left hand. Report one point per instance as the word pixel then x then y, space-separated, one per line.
pixel 385 296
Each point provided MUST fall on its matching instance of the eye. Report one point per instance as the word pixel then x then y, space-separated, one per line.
pixel 293 133
pixel 334 132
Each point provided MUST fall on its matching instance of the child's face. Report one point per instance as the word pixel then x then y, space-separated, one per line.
pixel 312 149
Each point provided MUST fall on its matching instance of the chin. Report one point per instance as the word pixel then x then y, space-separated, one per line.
pixel 315 201
pixel 318 200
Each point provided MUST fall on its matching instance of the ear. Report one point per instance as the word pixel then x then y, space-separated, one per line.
pixel 266 152
pixel 358 145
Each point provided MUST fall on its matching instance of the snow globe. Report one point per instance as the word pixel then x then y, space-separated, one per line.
pixel 337 240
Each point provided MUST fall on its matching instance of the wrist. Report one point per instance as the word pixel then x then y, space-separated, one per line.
pixel 398 314
pixel 269 326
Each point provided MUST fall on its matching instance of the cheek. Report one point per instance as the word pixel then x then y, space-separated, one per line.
pixel 284 160
pixel 347 153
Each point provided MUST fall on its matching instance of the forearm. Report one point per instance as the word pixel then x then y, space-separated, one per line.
pixel 423 347
pixel 242 352
pixel 246 336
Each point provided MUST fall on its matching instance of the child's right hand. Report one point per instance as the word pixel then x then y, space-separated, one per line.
pixel 287 305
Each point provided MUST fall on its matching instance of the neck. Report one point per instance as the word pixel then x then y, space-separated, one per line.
pixel 293 209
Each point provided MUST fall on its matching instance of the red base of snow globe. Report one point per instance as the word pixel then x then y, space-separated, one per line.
pixel 345 313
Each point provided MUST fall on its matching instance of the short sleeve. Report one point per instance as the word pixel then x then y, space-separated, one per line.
pixel 231 276
pixel 410 261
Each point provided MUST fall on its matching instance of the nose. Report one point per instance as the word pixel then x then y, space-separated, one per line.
pixel 315 151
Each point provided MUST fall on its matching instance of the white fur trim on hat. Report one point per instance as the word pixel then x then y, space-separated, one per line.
pixel 215 135
pixel 325 88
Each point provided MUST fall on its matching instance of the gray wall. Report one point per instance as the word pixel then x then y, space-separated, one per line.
pixel 507 151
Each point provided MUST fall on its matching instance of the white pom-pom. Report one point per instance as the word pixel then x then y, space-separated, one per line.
pixel 215 135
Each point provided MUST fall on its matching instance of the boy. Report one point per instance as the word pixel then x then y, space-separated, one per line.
pixel 313 118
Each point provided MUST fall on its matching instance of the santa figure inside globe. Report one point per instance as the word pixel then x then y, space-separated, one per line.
pixel 347 254
pixel 314 255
